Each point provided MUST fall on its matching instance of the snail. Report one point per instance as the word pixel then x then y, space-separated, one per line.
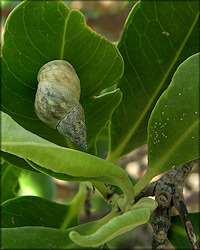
pixel 57 101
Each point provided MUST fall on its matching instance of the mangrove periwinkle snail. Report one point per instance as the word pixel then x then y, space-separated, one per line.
pixel 57 100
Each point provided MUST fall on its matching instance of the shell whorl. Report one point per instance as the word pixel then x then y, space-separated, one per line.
pixel 73 126
pixel 57 100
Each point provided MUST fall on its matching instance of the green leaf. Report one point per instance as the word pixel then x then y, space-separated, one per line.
pixel 177 234
pixel 36 211
pixel 37 184
pixel 9 181
pixel 41 237
pixel 36 238
pixel 157 37
pixel 139 215
pixel 112 229
pixel 173 129
pixel 31 39
pixel 102 144
pixel 33 211
pixel 77 165
pixel 17 161
pixel 105 104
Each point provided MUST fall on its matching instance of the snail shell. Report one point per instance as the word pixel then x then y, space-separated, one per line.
pixel 57 101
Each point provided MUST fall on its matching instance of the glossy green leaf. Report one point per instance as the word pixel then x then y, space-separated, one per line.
pixel 37 184
pixel 9 181
pixel 40 31
pixel 77 165
pixel 33 211
pixel 17 161
pixel 42 237
pixel 36 238
pixel 157 37
pixel 36 211
pixel 173 129
pixel 177 234
pixel 139 215
pixel 102 143
pixel 104 105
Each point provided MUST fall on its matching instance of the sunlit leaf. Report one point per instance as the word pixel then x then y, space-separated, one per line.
pixel 36 211
pixel 157 37
pixel 40 31
pixel 73 164
pixel 173 130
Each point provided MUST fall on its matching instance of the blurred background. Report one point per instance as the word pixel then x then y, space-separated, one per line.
pixel 106 18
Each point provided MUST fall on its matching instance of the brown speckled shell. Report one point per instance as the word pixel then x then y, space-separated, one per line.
pixel 57 100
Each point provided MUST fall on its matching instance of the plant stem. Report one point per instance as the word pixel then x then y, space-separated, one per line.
pixel 124 202
pixel 107 193
pixel 143 182
pixel 75 206
pixel 180 206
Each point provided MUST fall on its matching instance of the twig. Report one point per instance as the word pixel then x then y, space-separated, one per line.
pixel 179 203
pixel 149 190
pixel 168 191
pixel 161 222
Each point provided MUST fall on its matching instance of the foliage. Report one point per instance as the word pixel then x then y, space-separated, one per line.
pixel 154 72
pixel 177 233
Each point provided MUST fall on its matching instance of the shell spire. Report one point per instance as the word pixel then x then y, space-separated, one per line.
pixel 73 126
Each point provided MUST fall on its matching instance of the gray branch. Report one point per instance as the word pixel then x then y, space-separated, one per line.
pixel 168 191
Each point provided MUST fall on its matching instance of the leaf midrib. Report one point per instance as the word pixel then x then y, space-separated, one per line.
pixel 64 37
pixel 117 152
